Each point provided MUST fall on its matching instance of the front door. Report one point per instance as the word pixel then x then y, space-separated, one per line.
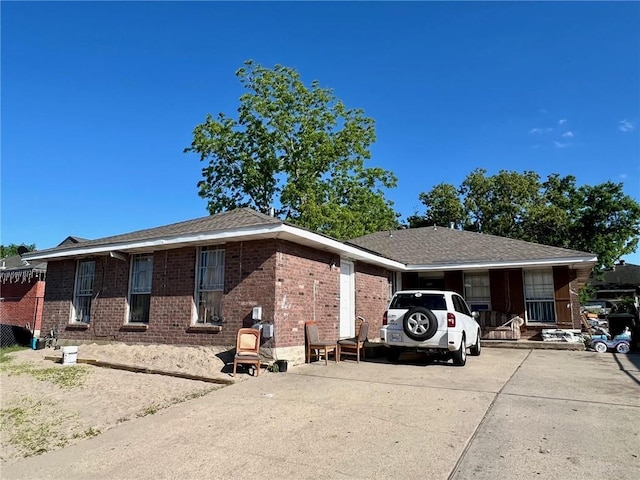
pixel 347 300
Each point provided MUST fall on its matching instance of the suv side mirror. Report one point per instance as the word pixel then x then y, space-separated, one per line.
pixel 475 315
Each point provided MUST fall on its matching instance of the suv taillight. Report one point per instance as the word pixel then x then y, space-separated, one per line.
pixel 384 318
pixel 451 319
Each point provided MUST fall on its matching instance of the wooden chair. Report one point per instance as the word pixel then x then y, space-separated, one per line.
pixel 315 344
pixel 352 346
pixel 247 349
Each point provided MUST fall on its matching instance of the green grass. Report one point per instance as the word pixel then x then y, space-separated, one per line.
pixel 155 408
pixel 70 376
pixel 28 427
pixel 88 433
pixel 5 351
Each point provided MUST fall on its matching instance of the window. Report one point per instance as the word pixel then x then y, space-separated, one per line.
pixel 477 291
pixel 539 296
pixel 210 285
pixel 140 288
pixel 409 300
pixel 85 275
pixel 460 305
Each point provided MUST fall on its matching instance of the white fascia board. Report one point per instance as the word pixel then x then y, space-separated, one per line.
pixel 199 238
pixel 574 261
pixel 269 231
pixel 346 251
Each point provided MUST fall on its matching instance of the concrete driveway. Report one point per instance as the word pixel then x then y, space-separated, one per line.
pixel 507 414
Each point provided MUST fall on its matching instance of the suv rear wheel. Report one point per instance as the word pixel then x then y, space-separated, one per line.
pixel 460 355
pixel 420 324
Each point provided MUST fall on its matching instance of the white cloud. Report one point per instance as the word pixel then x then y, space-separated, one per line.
pixel 625 126
pixel 561 144
pixel 623 176
pixel 567 135
pixel 562 121
pixel 540 130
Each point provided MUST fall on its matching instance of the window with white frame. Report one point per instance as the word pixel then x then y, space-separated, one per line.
pixel 140 288
pixel 477 291
pixel 210 285
pixel 83 292
pixel 539 295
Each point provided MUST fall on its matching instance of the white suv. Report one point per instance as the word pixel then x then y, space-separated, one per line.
pixel 433 321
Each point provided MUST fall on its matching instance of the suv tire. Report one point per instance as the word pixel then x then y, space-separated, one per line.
pixel 475 349
pixel 420 324
pixel 460 355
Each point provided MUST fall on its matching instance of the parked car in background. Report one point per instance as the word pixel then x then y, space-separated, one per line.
pixel 432 321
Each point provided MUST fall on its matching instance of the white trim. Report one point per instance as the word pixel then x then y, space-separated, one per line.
pixel 348 303
pixel 507 264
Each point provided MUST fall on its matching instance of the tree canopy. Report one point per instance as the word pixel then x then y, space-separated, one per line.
pixel 12 249
pixel 295 149
pixel 599 219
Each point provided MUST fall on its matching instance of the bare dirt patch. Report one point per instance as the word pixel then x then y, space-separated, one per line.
pixel 46 405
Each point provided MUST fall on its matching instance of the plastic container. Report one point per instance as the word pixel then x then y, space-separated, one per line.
pixel 69 355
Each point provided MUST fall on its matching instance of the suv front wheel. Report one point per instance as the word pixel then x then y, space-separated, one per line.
pixel 475 349
pixel 460 355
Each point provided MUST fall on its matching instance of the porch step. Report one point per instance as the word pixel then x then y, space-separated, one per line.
pixel 532 344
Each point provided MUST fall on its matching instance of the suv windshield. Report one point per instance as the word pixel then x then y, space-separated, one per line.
pixel 426 300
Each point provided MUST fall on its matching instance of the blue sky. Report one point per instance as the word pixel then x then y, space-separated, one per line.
pixel 100 99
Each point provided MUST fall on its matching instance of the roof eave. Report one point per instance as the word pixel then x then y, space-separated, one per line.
pixel 585 262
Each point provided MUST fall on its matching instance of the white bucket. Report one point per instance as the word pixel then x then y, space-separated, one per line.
pixel 69 355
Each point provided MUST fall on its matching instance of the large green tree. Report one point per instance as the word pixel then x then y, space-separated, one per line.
pixel 600 219
pixel 295 149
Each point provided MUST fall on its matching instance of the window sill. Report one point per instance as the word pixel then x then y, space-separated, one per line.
pixel 542 324
pixel 77 326
pixel 134 327
pixel 204 329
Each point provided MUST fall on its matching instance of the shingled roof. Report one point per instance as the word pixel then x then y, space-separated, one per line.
pixel 231 220
pixel 235 225
pixel 441 245
pixel 413 249
pixel 625 274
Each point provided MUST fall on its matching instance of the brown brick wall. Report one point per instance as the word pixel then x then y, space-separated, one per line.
pixel 250 270
pixel 372 295
pixel 22 303
pixel 249 280
pixel 307 288
pixel 57 295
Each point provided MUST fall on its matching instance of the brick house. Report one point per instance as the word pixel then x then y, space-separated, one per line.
pixel 197 282
pixel 22 286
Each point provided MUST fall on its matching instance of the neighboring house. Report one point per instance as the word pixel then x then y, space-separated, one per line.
pixel 22 286
pixel 623 280
pixel 197 282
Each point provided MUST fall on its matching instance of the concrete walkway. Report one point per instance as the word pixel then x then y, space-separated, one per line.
pixel 507 414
